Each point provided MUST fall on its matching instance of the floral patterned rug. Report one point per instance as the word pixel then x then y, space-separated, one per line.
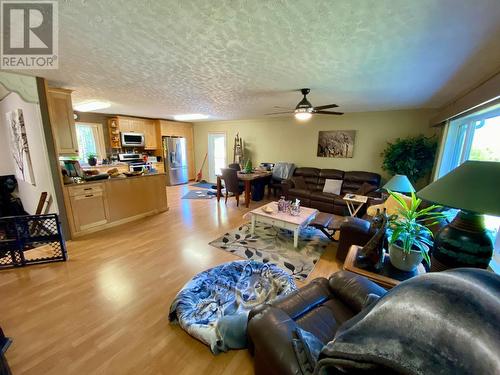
pixel 274 245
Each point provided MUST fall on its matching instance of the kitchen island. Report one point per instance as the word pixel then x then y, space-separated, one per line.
pixel 96 205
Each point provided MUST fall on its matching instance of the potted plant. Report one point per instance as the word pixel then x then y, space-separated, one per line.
pixel 92 159
pixel 410 240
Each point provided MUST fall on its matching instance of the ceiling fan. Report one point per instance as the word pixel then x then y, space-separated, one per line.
pixel 304 110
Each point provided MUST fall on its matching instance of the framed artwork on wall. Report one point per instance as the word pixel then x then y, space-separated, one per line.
pixel 19 146
pixel 336 143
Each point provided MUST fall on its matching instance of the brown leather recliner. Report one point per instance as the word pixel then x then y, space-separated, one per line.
pixel 320 308
pixel 313 196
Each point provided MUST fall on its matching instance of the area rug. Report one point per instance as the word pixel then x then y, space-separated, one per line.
pixel 197 194
pixel 274 245
pixel 205 185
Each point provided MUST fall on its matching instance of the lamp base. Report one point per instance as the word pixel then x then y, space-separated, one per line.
pixel 462 243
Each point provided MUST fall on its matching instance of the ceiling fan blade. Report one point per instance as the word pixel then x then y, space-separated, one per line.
pixel 321 107
pixel 328 113
pixel 277 113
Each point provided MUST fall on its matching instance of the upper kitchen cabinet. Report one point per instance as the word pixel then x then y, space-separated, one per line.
pixel 151 135
pixel 62 120
pixel 139 125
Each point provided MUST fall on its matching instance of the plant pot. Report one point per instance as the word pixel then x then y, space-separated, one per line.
pixel 92 162
pixel 405 261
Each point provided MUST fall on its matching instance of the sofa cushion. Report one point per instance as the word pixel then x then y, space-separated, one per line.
pixel 319 196
pixel 366 188
pixel 332 174
pixel 310 175
pixel 299 193
pixel 299 182
pixel 354 179
pixel 332 186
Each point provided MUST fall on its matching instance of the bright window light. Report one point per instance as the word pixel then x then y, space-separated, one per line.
pixel 93 105
pixel 190 117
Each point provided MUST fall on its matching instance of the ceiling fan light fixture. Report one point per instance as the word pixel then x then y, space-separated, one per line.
pixel 303 115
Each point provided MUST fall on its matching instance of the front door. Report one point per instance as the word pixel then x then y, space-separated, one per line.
pixel 216 155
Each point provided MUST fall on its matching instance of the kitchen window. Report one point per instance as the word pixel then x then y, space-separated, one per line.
pixel 90 141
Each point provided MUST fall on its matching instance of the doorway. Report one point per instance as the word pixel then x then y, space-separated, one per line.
pixel 216 154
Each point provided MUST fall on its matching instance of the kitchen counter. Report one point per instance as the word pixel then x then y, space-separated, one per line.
pixel 101 204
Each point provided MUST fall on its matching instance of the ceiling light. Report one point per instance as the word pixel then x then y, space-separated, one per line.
pixel 190 117
pixel 303 113
pixel 303 116
pixel 93 105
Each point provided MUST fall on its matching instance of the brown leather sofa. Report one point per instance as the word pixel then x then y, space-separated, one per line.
pixel 349 325
pixel 312 194
pixel 320 307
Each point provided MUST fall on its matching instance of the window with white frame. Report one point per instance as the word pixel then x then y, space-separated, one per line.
pixel 474 137
pixel 90 141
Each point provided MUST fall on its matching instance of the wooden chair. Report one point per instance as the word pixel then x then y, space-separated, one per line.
pixel 231 184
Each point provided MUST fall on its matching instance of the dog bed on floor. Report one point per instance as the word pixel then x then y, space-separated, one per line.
pixel 214 305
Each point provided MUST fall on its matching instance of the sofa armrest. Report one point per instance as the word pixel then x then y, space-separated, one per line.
pixel 354 290
pixel 271 334
pixel 305 299
pixel 354 231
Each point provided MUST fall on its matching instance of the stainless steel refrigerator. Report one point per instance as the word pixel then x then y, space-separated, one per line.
pixel 174 155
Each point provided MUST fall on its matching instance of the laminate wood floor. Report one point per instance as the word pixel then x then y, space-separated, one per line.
pixel 105 310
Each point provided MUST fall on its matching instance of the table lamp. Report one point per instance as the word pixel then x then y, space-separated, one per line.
pixel 400 184
pixel 474 188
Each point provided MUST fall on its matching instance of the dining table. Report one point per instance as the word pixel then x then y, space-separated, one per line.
pixel 247 179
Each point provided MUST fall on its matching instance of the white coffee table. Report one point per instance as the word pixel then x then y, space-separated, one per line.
pixel 354 202
pixel 283 219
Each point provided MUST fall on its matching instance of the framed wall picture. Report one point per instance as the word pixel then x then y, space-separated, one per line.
pixel 336 143
pixel 19 146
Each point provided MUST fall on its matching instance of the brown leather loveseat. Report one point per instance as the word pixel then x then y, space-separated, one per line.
pixel 311 193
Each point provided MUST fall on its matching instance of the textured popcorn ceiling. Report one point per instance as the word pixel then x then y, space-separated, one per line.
pixel 235 59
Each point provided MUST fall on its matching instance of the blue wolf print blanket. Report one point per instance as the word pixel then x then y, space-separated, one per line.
pixel 214 305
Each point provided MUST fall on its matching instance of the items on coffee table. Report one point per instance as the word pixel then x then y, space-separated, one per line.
pixel 284 220
pixel 354 203
pixel 214 305
pixel 387 275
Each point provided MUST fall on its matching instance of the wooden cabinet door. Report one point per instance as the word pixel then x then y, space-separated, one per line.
pixel 125 125
pixel 150 135
pixel 89 210
pixel 62 121
pixel 137 125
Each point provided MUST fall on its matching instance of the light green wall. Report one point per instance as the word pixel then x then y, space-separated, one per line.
pixel 285 139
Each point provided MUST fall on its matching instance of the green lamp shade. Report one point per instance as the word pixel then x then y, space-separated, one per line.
pixel 474 186
pixel 400 184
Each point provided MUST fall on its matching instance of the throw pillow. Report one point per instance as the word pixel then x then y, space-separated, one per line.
pixel 365 188
pixel 332 186
pixel 299 182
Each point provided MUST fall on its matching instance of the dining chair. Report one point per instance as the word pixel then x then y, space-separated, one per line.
pixel 231 184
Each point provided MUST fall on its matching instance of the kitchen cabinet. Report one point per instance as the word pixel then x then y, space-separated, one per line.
pixel 88 205
pixel 62 121
pixel 139 125
pixel 94 206
pixel 181 129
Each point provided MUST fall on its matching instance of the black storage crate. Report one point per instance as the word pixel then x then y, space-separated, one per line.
pixel 30 239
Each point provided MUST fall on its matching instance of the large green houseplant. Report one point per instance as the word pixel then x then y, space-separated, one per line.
pixel 411 239
pixel 411 156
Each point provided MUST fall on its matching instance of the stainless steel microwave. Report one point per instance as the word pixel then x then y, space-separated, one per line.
pixel 132 139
